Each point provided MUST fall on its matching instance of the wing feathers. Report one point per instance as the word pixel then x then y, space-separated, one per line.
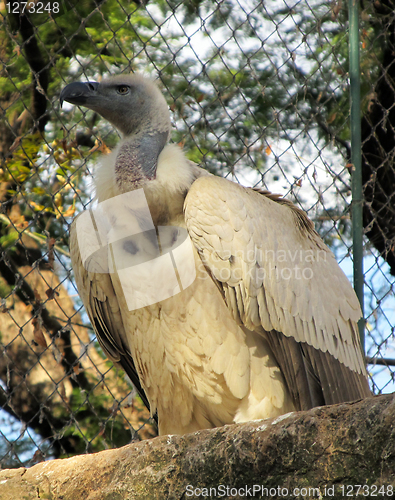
pixel 97 293
pixel 279 276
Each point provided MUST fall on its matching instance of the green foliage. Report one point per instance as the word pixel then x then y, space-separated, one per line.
pixel 43 182
pixel 93 421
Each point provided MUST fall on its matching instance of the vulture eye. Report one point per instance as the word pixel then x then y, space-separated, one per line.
pixel 123 89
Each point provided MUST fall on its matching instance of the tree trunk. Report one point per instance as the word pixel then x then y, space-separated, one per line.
pixel 378 145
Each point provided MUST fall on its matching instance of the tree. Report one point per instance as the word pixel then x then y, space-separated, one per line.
pixel 53 379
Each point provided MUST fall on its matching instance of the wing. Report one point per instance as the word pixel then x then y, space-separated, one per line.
pixel 279 279
pixel 97 293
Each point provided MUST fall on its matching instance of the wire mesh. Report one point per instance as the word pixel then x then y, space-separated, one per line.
pixel 258 92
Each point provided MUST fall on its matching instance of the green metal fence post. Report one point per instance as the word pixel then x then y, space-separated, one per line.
pixel 356 159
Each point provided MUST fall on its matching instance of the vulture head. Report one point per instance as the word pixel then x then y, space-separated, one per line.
pixel 131 103
pixel 137 108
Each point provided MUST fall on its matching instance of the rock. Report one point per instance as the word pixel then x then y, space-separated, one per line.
pixel 332 448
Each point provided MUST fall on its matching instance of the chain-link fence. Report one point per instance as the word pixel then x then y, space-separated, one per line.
pixel 258 92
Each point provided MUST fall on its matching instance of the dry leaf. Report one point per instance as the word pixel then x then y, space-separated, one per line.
pixel 50 293
pixel 37 297
pixel 62 390
pixel 51 257
pixel 39 338
pixel 4 308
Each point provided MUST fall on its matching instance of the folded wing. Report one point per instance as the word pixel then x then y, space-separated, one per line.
pixel 279 279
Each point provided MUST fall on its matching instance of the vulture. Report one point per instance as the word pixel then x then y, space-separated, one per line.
pixel 221 302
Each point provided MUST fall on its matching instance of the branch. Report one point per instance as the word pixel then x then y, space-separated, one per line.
pixel 39 68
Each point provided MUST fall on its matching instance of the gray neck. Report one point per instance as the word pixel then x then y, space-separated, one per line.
pixel 137 160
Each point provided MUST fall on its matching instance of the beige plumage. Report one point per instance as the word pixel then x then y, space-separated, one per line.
pixel 269 324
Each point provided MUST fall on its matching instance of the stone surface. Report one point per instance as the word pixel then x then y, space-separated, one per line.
pixel 327 447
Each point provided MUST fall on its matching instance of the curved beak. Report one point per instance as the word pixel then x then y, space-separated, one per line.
pixel 78 93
